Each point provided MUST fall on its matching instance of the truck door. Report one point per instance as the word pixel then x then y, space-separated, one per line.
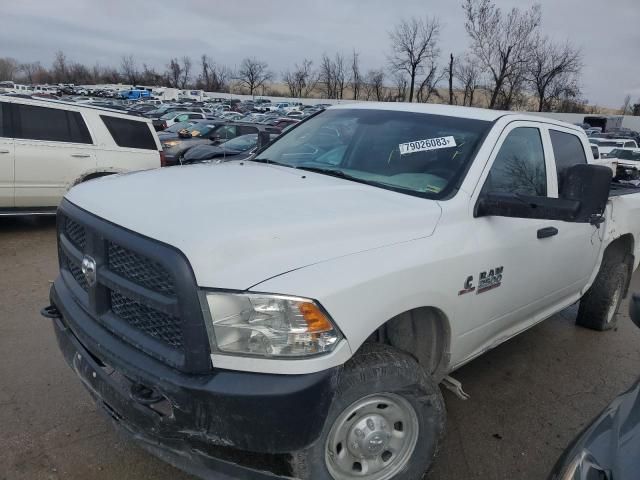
pixel 6 159
pixel 576 247
pixel 508 279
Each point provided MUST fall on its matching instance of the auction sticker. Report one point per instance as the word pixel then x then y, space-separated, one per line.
pixel 426 145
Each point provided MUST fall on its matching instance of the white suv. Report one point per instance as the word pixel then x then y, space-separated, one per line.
pixel 46 147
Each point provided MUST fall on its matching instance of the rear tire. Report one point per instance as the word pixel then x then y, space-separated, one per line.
pixel 386 421
pixel 599 306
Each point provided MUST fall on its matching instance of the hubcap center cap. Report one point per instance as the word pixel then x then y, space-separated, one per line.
pixel 369 436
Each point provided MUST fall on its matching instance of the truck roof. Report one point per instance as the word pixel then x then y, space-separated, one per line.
pixel 452 111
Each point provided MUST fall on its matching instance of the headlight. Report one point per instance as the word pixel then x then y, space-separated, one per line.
pixel 269 325
pixel 170 144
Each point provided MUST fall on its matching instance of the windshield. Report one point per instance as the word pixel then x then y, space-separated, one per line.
pixel 610 144
pixel 624 154
pixel 415 153
pixel 242 143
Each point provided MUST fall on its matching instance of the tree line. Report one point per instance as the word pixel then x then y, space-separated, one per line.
pixel 510 65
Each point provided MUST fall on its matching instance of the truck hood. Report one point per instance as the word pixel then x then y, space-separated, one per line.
pixel 240 223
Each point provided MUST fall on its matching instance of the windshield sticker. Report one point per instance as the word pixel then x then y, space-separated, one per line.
pixel 426 145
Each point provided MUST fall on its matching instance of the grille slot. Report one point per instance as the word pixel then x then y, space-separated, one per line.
pixel 140 270
pixel 75 270
pixel 75 233
pixel 149 321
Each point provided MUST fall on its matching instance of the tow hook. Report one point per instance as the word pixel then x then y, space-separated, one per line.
pixel 455 386
pixel 144 395
pixel 51 312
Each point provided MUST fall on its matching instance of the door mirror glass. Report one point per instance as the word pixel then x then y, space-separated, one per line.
pixel 589 185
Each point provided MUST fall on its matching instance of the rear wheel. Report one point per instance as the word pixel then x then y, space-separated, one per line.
pixel 385 423
pixel 599 306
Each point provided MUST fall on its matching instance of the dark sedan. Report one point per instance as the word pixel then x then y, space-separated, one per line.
pixel 205 132
pixel 234 149
pixel 609 448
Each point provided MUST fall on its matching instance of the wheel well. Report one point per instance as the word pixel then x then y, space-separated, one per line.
pixel 422 332
pixel 621 250
pixel 92 176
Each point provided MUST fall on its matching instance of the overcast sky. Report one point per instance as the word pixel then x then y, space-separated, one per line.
pixel 283 32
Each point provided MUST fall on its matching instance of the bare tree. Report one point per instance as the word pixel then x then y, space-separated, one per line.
pixel 626 106
pixel 552 71
pixel 340 72
pixel 78 73
pixel 8 68
pixel 326 76
pixel 150 76
pixel 174 73
pixel 414 42
pixel 302 80
pixel 450 73
pixel 374 85
pixel 186 72
pixel 355 81
pixel 59 67
pixel 401 85
pixel 253 74
pixel 501 42
pixel 33 72
pixel 468 73
pixel 332 76
pixel 129 70
pixel 429 86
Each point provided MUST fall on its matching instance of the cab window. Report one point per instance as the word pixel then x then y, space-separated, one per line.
pixel 519 167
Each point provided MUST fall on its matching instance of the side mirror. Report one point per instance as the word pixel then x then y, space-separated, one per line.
pixel 634 309
pixel 589 185
pixel 525 206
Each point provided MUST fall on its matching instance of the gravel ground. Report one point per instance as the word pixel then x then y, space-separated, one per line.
pixel 529 397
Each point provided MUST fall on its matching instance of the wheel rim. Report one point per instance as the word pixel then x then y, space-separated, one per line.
pixel 373 438
pixel 614 303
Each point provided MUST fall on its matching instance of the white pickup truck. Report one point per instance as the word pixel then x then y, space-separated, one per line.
pixel 292 315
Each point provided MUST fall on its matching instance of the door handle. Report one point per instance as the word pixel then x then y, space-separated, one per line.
pixel 547 232
pixel 5 151
pixel 80 155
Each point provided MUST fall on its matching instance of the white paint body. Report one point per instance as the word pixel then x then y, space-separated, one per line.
pixel 368 254
pixel 37 173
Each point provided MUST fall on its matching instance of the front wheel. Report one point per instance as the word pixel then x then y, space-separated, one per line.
pixel 385 422
pixel 599 306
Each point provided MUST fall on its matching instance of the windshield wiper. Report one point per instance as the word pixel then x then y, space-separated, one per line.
pixel 270 162
pixel 335 173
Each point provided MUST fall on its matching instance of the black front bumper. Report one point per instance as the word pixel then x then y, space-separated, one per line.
pixel 236 424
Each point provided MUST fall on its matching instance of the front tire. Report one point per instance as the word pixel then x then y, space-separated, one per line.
pixel 386 421
pixel 599 306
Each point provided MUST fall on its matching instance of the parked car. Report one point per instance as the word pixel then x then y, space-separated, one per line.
pixel 304 305
pixel 234 149
pixel 48 147
pixel 175 128
pixel 170 118
pixel 607 144
pixel 205 132
pixel 608 447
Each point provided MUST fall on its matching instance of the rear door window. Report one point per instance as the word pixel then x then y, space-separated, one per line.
pixel 130 133
pixel 3 128
pixel 568 151
pixel 49 124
